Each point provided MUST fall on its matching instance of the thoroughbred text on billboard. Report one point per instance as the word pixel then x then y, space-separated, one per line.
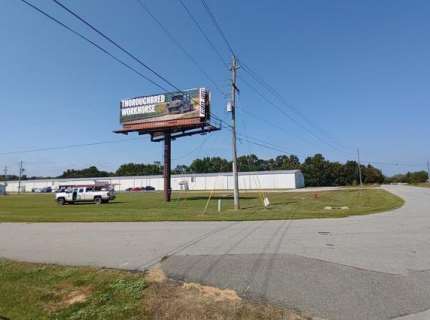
pixel 141 105
pixel 143 101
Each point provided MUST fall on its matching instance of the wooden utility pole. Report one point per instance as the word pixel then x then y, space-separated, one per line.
pixel 21 170
pixel 234 68
pixel 167 165
pixel 5 179
pixel 359 167
pixel 428 170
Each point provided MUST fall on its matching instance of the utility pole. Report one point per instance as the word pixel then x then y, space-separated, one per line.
pixel 428 170
pixel 234 68
pixel 21 171
pixel 167 166
pixel 359 167
pixel 5 179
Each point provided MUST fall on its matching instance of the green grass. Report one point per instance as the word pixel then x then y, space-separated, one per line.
pixel 47 292
pixel 190 206
pixel 33 291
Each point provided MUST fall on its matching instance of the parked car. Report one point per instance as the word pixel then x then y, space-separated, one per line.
pixel 42 190
pixel 135 189
pixel 149 188
pixel 84 194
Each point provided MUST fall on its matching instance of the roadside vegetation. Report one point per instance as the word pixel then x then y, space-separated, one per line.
pixel 423 185
pixel 45 292
pixel 190 206
pixel 414 178
pixel 317 170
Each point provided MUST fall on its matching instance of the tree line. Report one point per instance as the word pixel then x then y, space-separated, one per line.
pixel 317 170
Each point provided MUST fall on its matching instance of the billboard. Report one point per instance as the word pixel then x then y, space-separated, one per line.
pixel 166 110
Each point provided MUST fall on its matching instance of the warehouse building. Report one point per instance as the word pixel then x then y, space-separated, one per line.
pixel 282 179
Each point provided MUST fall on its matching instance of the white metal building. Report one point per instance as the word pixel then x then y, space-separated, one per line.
pixel 282 179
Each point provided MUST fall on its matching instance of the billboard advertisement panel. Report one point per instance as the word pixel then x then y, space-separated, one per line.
pixel 170 107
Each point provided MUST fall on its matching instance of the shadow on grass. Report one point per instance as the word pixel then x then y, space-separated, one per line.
pixel 217 197
pixel 94 204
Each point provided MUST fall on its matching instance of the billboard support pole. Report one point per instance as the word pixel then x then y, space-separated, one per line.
pixel 5 179
pixel 359 167
pixel 234 68
pixel 21 170
pixel 167 165
pixel 428 170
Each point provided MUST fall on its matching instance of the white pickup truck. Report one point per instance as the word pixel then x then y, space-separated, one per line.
pixel 84 194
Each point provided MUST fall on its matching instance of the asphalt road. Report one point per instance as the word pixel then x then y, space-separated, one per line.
pixel 363 267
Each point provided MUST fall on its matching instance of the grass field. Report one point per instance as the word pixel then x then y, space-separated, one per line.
pixel 190 206
pixel 43 292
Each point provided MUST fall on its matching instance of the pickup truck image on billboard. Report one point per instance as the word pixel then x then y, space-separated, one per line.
pixel 193 103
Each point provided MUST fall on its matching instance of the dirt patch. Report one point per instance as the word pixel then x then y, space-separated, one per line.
pixel 212 293
pixel 66 296
pixel 77 296
pixel 171 300
pixel 155 275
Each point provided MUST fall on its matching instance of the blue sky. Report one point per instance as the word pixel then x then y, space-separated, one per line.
pixel 358 70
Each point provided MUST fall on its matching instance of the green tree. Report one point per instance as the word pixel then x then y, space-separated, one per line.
pixel 210 164
pixel 85 173
pixel 372 175
pixel 138 169
pixel 317 171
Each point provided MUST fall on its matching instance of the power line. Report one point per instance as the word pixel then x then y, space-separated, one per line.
pixel 273 124
pixel 288 115
pixel 264 145
pixel 68 146
pixel 198 148
pixel 217 26
pixel 103 50
pixel 253 74
pixel 93 44
pixel 137 72
pixel 202 31
pixel 179 45
pixel 276 93
pixel 116 44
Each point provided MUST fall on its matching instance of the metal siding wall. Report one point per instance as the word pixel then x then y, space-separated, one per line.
pixel 275 180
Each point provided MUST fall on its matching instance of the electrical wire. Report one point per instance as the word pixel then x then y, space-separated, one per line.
pixel 252 140
pixel 253 74
pixel 80 35
pixel 105 51
pixel 179 45
pixel 116 44
pixel 218 27
pixel 202 31
pixel 121 48
pixel 198 148
pixel 274 125
pixel 276 94
pixel 289 116
pixel 68 146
